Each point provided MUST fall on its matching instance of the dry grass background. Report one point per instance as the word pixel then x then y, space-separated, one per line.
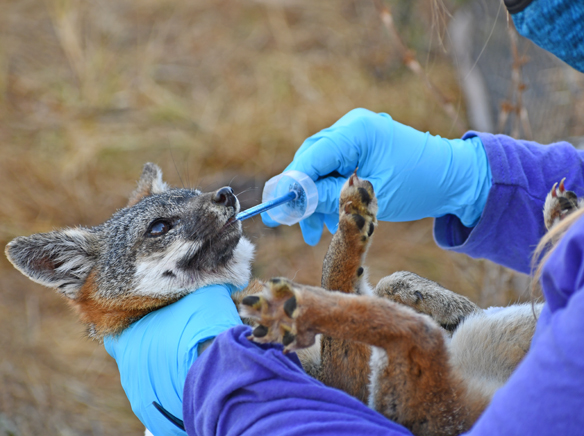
pixel 215 92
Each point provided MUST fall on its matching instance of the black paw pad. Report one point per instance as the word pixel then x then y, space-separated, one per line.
pixel 568 203
pixel 359 220
pixel 250 300
pixel 288 338
pixel 290 306
pixel 365 197
pixel 260 331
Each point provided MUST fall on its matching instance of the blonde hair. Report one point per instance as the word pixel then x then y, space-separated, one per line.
pixel 547 245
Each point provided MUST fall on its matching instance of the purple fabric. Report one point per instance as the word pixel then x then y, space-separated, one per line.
pixel 523 173
pixel 545 395
pixel 237 387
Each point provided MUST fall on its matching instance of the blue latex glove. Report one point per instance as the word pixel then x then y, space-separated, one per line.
pixel 415 175
pixel 155 353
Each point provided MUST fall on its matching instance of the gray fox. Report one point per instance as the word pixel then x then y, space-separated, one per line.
pixel 418 353
pixel 162 245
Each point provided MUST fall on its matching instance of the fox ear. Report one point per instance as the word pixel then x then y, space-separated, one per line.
pixel 60 259
pixel 150 183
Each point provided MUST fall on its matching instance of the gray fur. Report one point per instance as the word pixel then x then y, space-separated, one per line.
pixel 60 259
pixel 488 345
pixel 150 183
pixel 428 297
pixel 203 246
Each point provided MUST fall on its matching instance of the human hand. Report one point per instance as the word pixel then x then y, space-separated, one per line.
pixel 415 175
pixel 155 353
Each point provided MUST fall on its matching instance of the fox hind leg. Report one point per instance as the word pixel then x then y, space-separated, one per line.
pixel 559 203
pixel 447 308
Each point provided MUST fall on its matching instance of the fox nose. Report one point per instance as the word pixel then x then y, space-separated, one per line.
pixel 225 197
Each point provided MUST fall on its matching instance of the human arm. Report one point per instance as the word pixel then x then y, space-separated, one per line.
pixel 155 353
pixel 239 387
pixel 415 175
pixel 242 388
pixel 511 225
pixel 487 191
pixel 545 394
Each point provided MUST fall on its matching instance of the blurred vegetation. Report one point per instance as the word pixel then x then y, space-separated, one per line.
pixel 214 91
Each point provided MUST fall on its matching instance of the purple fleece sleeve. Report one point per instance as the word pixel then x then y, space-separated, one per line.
pixel 545 394
pixel 238 387
pixel 523 173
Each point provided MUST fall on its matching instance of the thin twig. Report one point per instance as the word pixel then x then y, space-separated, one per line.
pixel 410 61
pixel 515 102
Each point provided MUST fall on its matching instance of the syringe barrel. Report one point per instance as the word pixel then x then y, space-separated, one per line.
pixel 295 210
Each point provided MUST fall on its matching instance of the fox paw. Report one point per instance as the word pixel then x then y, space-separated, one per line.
pixel 276 310
pixel 426 296
pixel 559 203
pixel 358 209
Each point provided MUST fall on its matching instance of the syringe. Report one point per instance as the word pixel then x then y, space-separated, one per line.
pixel 288 198
pixel 262 207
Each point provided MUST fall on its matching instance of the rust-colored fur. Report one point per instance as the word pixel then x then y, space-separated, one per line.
pixel 396 358
pixel 340 354
pixel 108 314
pixel 166 243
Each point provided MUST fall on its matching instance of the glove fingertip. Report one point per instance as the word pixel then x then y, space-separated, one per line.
pixel 269 221
pixel 311 237
pixel 332 222
pixel 312 228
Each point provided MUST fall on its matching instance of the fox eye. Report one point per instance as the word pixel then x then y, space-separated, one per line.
pixel 159 228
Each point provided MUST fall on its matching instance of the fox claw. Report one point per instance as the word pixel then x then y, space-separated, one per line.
pixel 559 203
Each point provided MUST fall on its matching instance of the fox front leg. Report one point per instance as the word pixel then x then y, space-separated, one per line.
pixel 345 363
pixel 413 384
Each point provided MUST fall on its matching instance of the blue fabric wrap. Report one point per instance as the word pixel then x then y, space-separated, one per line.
pixel 557 26
pixel 511 225
pixel 155 353
pixel 241 388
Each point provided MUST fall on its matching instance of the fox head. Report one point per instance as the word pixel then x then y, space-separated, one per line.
pixel 166 243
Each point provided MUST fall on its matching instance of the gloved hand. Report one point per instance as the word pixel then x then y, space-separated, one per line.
pixel 155 353
pixel 415 175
